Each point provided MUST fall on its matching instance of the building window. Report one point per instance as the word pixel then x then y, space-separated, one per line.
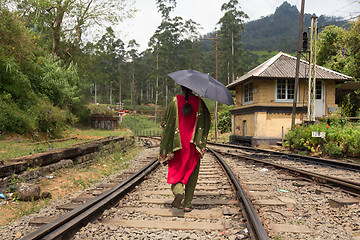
pixel 285 90
pixel 248 93
pixel 318 91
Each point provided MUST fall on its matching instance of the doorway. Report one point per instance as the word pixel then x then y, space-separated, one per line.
pixel 320 98
pixel 244 128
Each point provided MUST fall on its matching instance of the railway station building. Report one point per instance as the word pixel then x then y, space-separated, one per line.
pixel 264 99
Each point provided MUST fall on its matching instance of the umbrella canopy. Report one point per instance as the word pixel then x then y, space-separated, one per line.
pixel 203 84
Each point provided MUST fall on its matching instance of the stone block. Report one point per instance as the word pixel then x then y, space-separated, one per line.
pixel 340 202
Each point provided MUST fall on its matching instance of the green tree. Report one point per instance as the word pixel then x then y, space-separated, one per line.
pixel 167 48
pixel 338 49
pixel 231 26
pixel 133 56
pixel 106 58
pixel 165 7
pixel 36 90
pixel 58 82
pixel 66 20
pixel 331 48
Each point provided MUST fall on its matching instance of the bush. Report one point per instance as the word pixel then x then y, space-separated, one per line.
pixel 13 119
pixel 300 138
pixel 224 119
pixel 100 109
pixel 31 82
pixel 58 82
pixel 333 149
pixel 341 138
pixel 82 112
pixel 53 120
pixel 351 140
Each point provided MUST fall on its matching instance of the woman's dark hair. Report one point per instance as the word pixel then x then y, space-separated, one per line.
pixel 187 109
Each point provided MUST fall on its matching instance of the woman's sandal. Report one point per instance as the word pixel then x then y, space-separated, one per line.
pixel 189 209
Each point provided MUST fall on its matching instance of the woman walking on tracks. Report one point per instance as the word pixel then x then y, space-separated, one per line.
pixel 186 127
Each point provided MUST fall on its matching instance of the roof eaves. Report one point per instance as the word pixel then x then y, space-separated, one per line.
pixel 255 71
pixel 323 68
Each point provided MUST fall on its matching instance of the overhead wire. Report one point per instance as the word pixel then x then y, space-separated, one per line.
pixel 344 19
pixel 355 1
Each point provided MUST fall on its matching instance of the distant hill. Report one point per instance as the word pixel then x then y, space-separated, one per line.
pixel 279 31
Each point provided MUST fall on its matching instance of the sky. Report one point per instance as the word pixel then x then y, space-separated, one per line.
pixel 208 12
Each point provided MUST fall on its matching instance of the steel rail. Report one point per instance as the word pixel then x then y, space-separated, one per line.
pixel 350 186
pixel 332 162
pixel 80 216
pixel 259 230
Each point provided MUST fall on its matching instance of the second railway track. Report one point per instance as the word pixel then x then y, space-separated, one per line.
pixel 292 206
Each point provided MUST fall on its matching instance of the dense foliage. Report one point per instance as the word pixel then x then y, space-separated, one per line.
pixel 49 74
pixel 341 138
pixel 35 90
pixel 224 119
pixel 339 50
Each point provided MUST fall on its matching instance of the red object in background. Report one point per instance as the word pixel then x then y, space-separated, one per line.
pixel 121 112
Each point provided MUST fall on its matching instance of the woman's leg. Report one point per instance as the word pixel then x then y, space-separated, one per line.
pixel 190 187
pixel 177 188
pixel 178 191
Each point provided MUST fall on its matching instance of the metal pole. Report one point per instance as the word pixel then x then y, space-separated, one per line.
pixel 297 65
pixel 216 103
pixel 313 48
pixel 95 94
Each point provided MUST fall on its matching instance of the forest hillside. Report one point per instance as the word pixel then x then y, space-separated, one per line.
pixel 279 31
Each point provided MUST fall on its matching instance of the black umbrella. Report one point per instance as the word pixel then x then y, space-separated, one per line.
pixel 203 84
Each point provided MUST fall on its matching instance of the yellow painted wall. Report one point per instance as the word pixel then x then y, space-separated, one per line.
pixel 262 124
pixel 239 122
pixel 238 95
pixel 330 95
pixel 264 94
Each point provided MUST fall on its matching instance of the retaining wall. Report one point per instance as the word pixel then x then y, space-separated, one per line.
pixel 47 162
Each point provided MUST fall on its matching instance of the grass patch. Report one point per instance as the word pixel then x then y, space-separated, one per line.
pixel 13 146
pixel 68 181
pixel 20 209
pixel 141 123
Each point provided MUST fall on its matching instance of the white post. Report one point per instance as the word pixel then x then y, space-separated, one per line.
pixel 95 94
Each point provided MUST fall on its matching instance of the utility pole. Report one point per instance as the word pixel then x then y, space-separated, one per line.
pixel 312 70
pixel 232 58
pixel 216 77
pixel 120 93
pixel 95 93
pixel 297 64
pixel 216 103
pixel 157 82
pixel 110 100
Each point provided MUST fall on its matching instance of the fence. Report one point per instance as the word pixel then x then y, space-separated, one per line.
pixel 148 133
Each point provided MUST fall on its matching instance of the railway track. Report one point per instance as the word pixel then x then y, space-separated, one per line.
pixel 336 173
pixel 265 203
pixel 293 205
pixel 145 211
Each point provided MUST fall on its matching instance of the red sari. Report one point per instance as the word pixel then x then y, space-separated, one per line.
pixel 185 159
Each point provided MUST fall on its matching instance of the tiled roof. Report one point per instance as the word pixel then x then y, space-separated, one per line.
pixel 283 65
